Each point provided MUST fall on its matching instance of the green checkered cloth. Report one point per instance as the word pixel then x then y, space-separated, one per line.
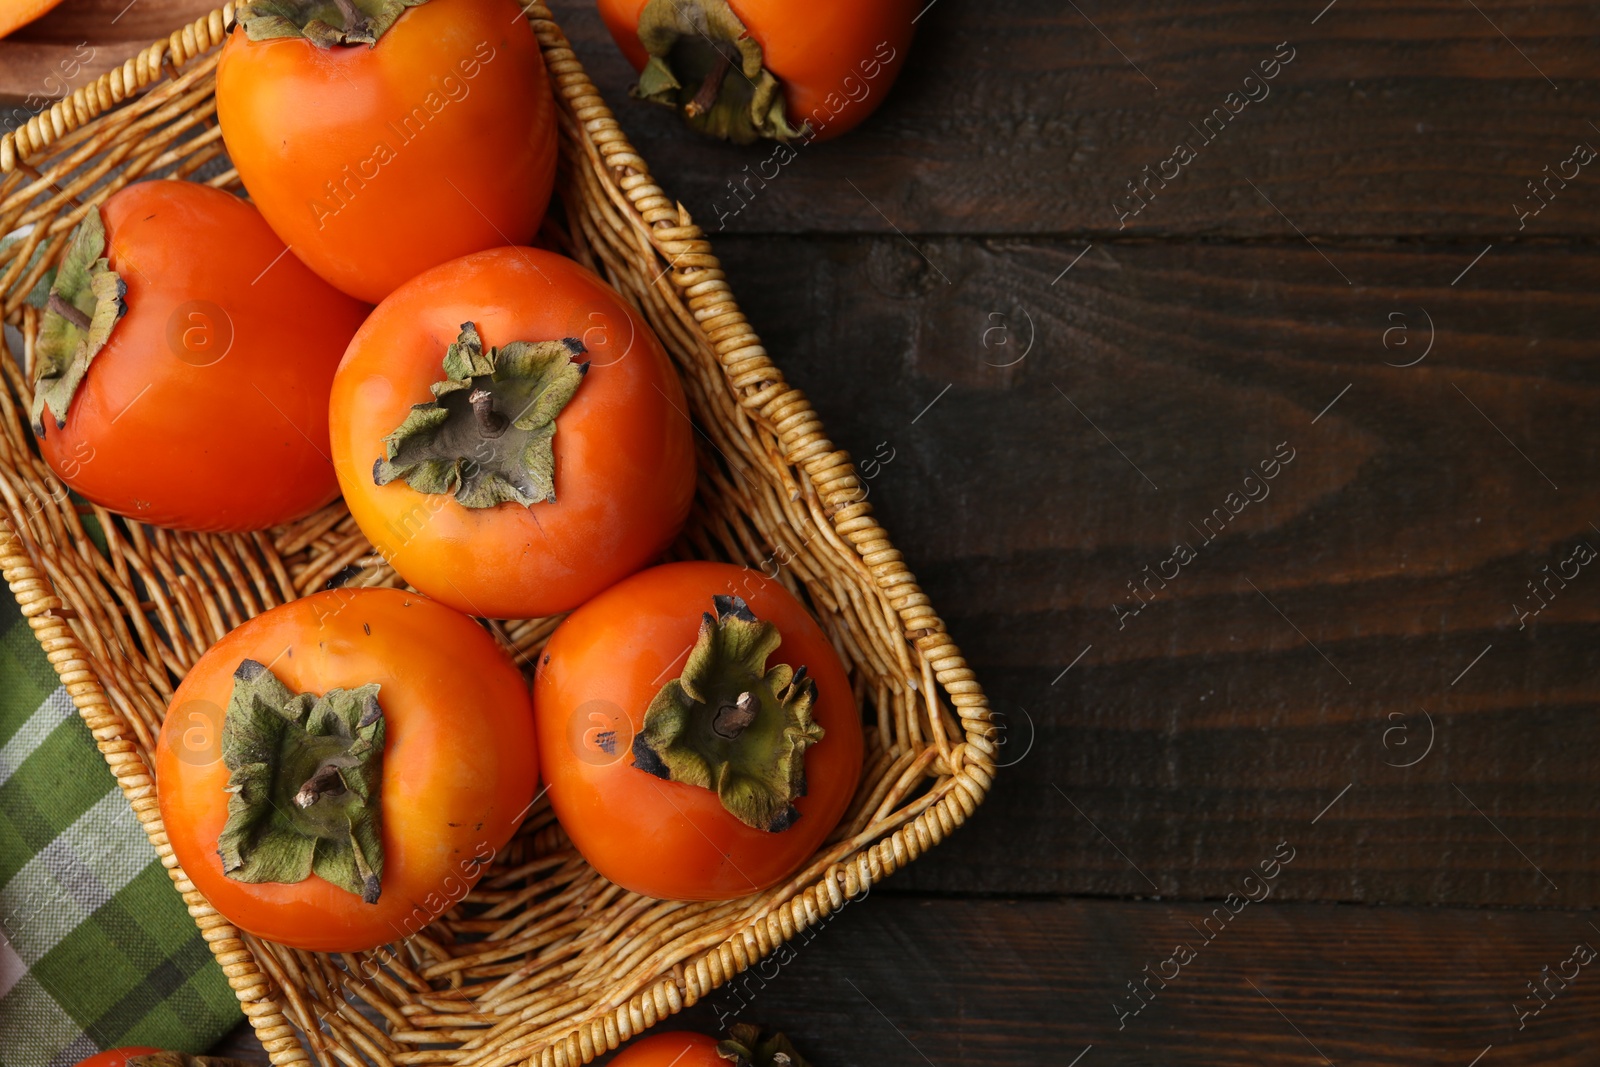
pixel 96 950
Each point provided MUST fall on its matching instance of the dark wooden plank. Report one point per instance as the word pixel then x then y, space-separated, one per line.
pixel 1397 540
pixel 896 980
pixel 1020 117
pixel 88 20
pixel 76 43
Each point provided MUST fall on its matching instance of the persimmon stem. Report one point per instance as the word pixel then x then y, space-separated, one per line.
pixel 353 18
pixel 691 45
pixel 490 422
pixel 325 782
pixel 67 311
pixel 732 719
pixel 710 88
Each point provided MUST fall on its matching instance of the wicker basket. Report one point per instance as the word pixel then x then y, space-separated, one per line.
pixel 545 962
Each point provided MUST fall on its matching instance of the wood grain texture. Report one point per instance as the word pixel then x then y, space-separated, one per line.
pixel 76 43
pixel 1400 119
pixel 1420 119
pixel 1311 642
pixel 1274 689
pixel 897 980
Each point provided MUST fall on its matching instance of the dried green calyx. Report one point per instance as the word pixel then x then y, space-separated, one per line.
pixel 181 1059
pixel 704 64
pixel 85 302
pixel 731 724
pixel 488 435
pixel 303 783
pixel 325 23
pixel 745 1047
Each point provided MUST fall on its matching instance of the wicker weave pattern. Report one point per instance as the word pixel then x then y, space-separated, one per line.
pixel 544 962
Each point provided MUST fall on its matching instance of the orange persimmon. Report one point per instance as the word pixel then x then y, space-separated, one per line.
pixel 784 69
pixel 389 145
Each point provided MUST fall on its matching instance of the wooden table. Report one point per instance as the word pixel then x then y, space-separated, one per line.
pixel 1342 695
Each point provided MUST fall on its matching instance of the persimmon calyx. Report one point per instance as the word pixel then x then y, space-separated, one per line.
pixel 181 1059
pixel 704 63
pixel 732 724
pixel 488 436
pixel 85 302
pixel 745 1047
pixel 325 23
pixel 303 784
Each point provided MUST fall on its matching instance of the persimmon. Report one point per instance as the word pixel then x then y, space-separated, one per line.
pixel 745 1046
pixel 16 14
pixel 184 361
pixel 337 772
pixel 139 1056
pixel 413 133
pixel 118 1057
pixel 783 69
pixel 510 435
pixel 697 731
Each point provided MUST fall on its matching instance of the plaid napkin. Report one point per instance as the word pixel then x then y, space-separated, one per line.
pixel 96 950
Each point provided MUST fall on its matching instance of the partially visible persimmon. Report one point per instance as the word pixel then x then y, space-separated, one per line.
pixel 118 1057
pixel 139 1056
pixel 387 145
pixel 783 69
pixel 14 14
pixel 184 360
pixel 745 1046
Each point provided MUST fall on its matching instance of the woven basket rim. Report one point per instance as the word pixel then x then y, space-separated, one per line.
pixel 968 764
